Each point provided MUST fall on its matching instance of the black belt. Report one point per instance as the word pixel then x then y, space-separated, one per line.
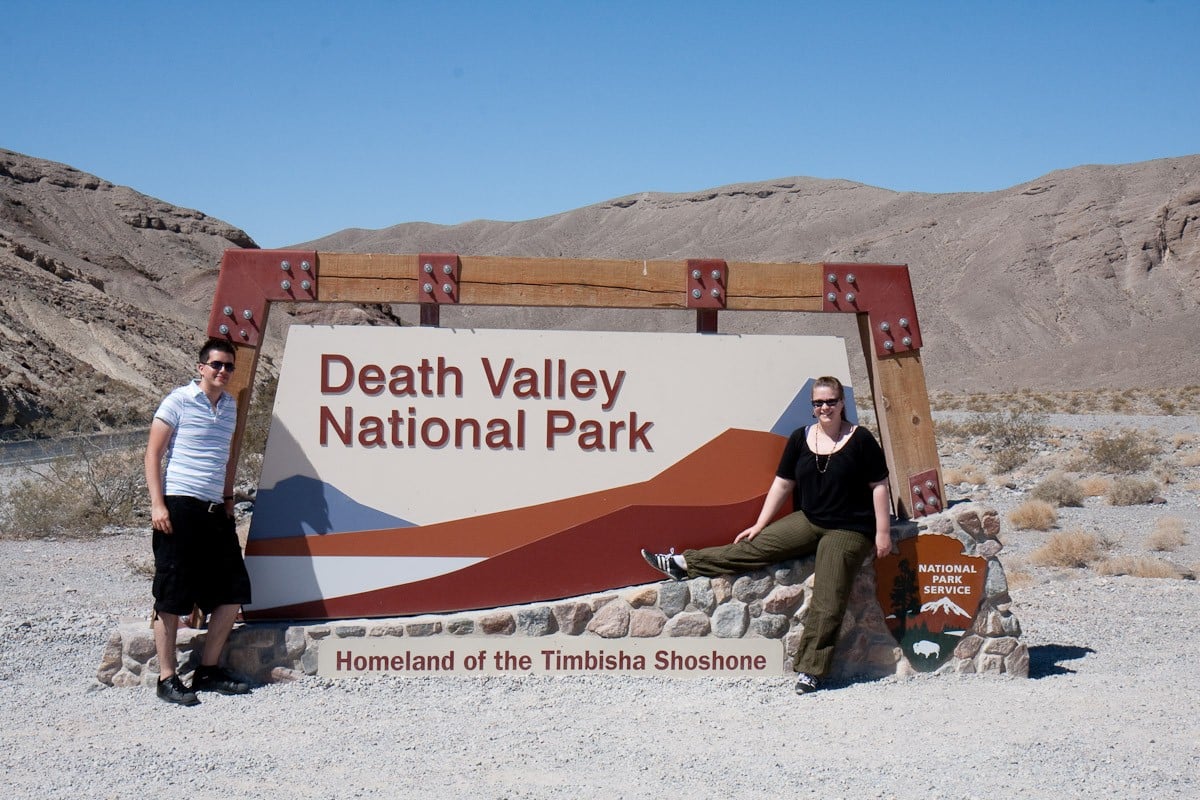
pixel 196 502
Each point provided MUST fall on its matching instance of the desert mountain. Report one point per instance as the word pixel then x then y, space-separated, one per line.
pixel 1087 277
pixel 1084 278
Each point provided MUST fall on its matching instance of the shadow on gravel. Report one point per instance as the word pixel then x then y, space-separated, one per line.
pixel 1044 658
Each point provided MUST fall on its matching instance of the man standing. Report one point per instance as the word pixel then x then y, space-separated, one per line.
pixel 197 557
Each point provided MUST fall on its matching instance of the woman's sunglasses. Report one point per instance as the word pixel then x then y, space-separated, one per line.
pixel 819 403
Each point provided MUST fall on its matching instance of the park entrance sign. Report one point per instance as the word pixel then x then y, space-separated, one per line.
pixel 578 407
pixel 433 470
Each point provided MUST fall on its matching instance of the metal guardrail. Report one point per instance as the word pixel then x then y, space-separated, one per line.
pixel 35 451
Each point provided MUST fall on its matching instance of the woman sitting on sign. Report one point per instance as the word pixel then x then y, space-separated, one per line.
pixel 837 477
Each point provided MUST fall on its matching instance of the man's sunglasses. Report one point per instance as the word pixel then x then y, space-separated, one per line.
pixel 217 366
pixel 819 403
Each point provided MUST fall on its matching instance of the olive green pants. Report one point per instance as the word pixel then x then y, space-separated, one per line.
pixel 840 555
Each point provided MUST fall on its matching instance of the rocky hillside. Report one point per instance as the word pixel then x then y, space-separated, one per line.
pixel 105 293
pixel 1085 278
pixel 1088 277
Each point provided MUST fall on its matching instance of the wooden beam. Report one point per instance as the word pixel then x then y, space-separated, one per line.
pixel 904 417
pixel 595 283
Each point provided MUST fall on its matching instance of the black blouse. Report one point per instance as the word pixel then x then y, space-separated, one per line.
pixel 839 497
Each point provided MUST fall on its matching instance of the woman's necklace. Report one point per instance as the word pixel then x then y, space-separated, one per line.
pixel 828 456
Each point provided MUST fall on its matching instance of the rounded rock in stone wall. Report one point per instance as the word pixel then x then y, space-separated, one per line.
pixel 703 597
pixel 497 624
pixel 1017 662
pixel 788 573
pixel 461 626
pixel 988 549
pixel 643 596
pixel 386 629
pixel 140 646
pixel 572 617
pixel 938 524
pixel 611 621
pixel 690 623
pixel 427 628
pixel 673 597
pixel 536 621
pixel 791 641
pixel 294 642
pixel 969 521
pixel 769 626
pixel 730 620
pixel 989 664
pixel 601 600
pixel 784 599
pixel 124 679
pixel 968 646
pixel 722 587
pixel 996 584
pixel 1002 646
pixel 285 675
pixel 754 586
pixel 246 662
pixel 308 661
pixel 646 622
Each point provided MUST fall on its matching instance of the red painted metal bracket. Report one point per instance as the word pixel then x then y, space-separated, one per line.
pixel 925 493
pixel 248 280
pixel 884 293
pixel 705 281
pixel 437 277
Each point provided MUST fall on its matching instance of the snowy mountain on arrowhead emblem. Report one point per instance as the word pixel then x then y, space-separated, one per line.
pixel 944 606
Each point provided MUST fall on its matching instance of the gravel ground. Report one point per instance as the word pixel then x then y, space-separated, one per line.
pixel 1112 707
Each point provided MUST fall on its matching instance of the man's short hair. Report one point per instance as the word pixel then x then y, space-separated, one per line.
pixel 218 345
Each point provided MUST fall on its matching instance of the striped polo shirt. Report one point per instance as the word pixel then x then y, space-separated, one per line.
pixel 200 437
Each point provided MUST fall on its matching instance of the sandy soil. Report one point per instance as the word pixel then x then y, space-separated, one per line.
pixel 1111 708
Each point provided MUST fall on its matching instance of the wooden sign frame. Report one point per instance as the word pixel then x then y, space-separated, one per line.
pixel 879 295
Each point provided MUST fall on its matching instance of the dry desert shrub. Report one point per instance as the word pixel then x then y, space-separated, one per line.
pixel 1073 548
pixel 1131 491
pixel 966 474
pixel 1168 535
pixel 1095 486
pixel 1012 436
pixel 1138 567
pixel 1163 473
pixel 76 495
pixel 1126 451
pixel 1033 515
pixel 1190 460
pixel 1058 489
pixel 953 429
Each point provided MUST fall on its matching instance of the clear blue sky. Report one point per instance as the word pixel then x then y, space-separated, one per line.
pixel 296 119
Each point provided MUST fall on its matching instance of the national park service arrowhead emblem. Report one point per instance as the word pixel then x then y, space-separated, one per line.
pixel 929 593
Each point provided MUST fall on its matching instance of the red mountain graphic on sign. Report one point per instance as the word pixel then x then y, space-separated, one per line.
pixel 564 548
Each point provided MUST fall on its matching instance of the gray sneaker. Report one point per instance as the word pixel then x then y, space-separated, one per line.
pixel 666 564
pixel 173 691
pixel 806 683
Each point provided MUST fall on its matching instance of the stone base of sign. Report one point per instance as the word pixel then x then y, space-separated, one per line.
pixel 769 603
